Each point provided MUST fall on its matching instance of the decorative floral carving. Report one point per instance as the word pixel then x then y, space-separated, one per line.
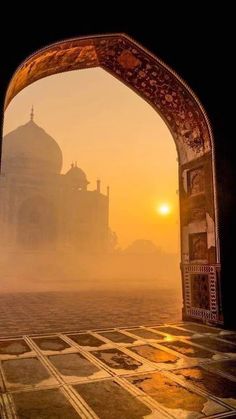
pixel 163 90
pixel 128 60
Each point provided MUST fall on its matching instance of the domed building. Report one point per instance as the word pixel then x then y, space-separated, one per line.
pixel 40 208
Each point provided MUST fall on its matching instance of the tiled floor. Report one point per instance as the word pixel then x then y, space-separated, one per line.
pixel 50 312
pixel 183 371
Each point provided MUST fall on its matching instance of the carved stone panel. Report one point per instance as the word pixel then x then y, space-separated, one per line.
pixel 196 181
pixel 198 247
pixel 200 292
pixel 197 214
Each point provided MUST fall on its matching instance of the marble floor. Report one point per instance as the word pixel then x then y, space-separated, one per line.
pixel 47 312
pixel 178 370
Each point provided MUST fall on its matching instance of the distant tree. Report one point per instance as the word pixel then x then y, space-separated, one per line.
pixel 142 246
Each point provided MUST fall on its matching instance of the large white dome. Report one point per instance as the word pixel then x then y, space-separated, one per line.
pixel 29 147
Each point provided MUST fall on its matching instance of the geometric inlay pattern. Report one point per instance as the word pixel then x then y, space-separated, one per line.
pixel 132 375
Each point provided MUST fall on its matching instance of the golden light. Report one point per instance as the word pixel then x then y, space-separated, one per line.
pixel 169 338
pixel 164 209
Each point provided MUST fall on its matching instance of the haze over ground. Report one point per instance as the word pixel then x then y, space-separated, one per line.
pixel 117 137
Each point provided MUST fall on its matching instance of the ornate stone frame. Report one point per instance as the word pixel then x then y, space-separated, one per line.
pixel 181 110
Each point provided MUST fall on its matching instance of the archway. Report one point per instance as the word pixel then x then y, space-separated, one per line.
pixel 176 103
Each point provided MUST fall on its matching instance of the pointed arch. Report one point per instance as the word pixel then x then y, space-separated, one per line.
pixel 187 120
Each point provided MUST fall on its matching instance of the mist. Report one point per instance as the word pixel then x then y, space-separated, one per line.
pixel 64 228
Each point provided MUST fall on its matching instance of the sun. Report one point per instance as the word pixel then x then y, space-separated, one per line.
pixel 164 209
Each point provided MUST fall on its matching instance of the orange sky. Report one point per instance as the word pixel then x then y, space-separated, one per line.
pixel 116 136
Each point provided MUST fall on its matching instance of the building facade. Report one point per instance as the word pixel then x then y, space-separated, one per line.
pixel 40 208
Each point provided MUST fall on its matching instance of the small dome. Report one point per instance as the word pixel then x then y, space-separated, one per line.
pixel 76 177
pixel 29 147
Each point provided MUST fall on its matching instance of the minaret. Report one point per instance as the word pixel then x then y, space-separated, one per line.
pixel 98 185
pixel 32 113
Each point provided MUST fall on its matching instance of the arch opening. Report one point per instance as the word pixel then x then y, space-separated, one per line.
pixel 175 102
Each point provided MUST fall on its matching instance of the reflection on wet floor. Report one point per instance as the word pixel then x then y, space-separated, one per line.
pixel 154 354
pixel 173 331
pixel 141 374
pixel 216 384
pixel 171 395
pixel 117 359
pixel 187 349
pixel 109 400
pixel 14 347
pixel 44 404
pixel 51 344
pixel 85 339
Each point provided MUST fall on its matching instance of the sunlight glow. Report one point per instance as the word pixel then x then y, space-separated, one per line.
pixel 169 338
pixel 164 209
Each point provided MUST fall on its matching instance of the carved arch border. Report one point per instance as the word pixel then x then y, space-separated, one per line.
pixel 187 120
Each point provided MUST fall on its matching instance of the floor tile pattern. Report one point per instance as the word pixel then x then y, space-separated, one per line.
pixel 178 370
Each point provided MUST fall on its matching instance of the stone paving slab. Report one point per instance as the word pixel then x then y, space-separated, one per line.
pixel 51 344
pixel 53 404
pixel 182 371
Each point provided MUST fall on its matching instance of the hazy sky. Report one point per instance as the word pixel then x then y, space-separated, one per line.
pixel 116 136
